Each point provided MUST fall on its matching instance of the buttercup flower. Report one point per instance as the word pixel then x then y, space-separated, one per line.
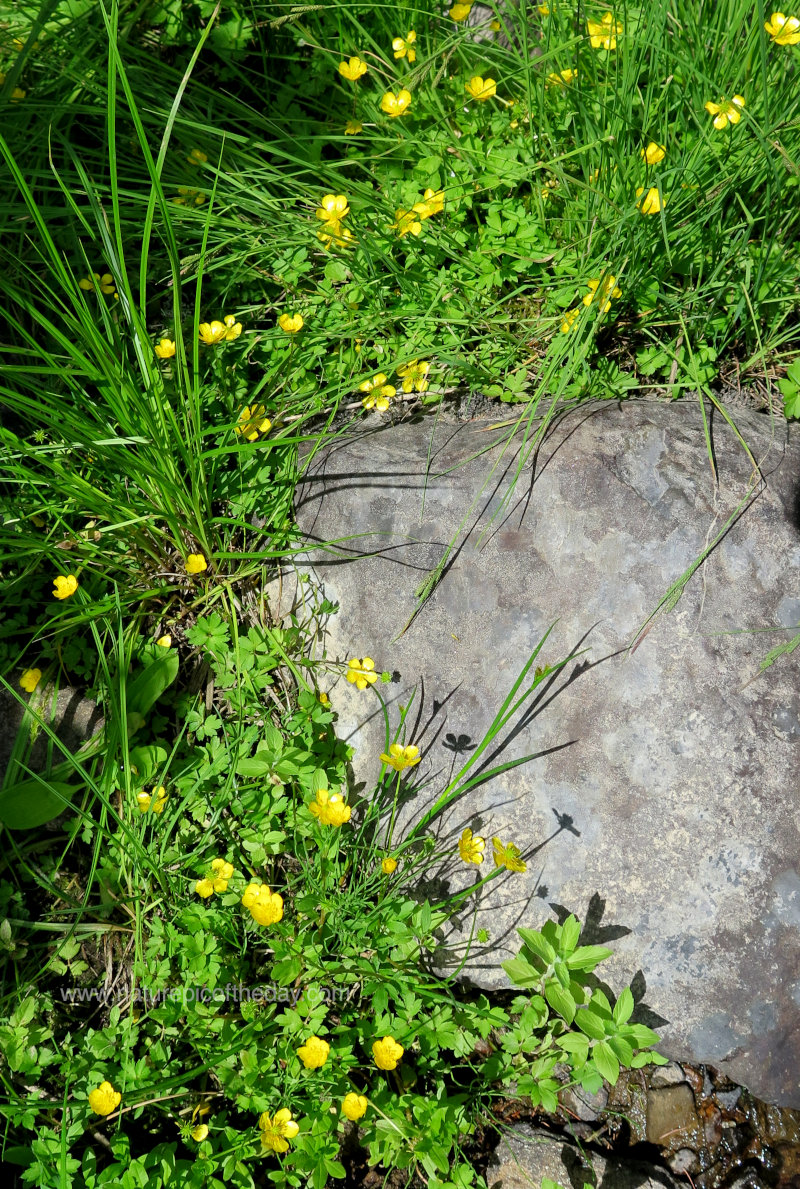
pixel 471 847
pixel 290 323
pixel 314 1053
pixel 413 375
pixel 603 34
pixel 334 233
pixel 277 1130
pixel 481 88
pixel 783 30
pixel 196 563
pixel 395 105
pixel 401 758
pixel 196 157
pixel 379 393
pixel 353 69
pixel 30 679
pixel 402 46
pixel 388 867
pixel 222 873
pixel 64 586
pixel 265 906
pixel 568 321
pixel 333 208
pixel 204 888
pixel 507 855
pixel 605 290
pixel 252 421
pixel 432 203
pixel 561 78
pixel 199 1132
pixel 330 809
pixel 234 328
pixel 406 221
pixel 212 332
pixel 105 283
pixel 165 349
pixel 187 196
pixel 354 1106
pixel 652 202
pixel 353 127
pixel 164 641
pixel 460 12
pixel 387 1052
pixel 324 699
pixel 725 113
pixel 104 1099
pixel 653 153
pixel 361 673
pixel 154 801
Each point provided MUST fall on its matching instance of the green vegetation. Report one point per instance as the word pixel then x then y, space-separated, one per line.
pixel 227 229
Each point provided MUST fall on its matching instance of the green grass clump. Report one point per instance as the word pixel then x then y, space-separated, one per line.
pixel 227 230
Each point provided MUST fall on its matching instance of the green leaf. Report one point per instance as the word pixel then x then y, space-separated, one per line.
pixel 560 1000
pixel 591 1024
pixel 521 973
pixel 319 780
pixel 575 1044
pixel 33 802
pixel 539 944
pixel 623 1008
pixel 562 974
pixel 606 1062
pixel 587 957
pixel 273 739
pixel 570 935
pixel 621 1049
pixel 252 767
pixel 147 761
pixel 148 686
pixel 640 1034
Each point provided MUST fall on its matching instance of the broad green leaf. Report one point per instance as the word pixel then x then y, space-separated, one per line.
pixel 148 686
pixel 587 957
pixel 570 935
pixel 147 761
pixel 576 1044
pixel 538 944
pixel 606 1062
pixel 560 1000
pixel 622 1049
pixel 562 974
pixel 640 1034
pixel 319 780
pixel 589 1023
pixel 521 973
pixel 623 1008
pixel 252 767
pixel 33 802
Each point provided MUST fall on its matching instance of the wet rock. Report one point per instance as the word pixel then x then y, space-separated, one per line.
pixel 667 1075
pixel 526 1155
pixel 660 804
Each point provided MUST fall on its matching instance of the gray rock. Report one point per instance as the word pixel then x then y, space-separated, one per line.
pixel 525 1155
pixel 73 719
pixel 661 804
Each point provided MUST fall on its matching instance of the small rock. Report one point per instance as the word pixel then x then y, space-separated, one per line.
pixel 667 1075
pixel 684 1161
pixel 586 1107
pixel 525 1155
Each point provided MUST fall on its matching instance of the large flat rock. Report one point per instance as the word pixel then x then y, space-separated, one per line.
pixel 662 805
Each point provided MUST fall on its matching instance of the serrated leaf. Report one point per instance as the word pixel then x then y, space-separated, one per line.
pixel 538 944
pixel 623 1008
pixel 606 1062
pixel 560 1000
pixel 252 767
pixel 576 1044
pixel 622 1049
pixel 273 739
pixel 589 1023
pixel 586 957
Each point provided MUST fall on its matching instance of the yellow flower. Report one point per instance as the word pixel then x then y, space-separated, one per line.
pixel 561 78
pixel 104 1099
pixel 196 563
pixel 105 283
pixel 199 1132
pixel 64 586
pixel 30 679
pixel 165 349
pixel 783 30
pixel 603 34
pixel 387 1053
pixel 290 323
pixel 413 375
pixel 334 233
pixel 330 809
pixel 460 12
pixel 507 855
pixel 379 393
pixel 361 673
pixel 395 105
pixel 212 332
pixel 189 197
pixel 197 157
pixel 652 202
pixel 725 113
pixel 605 291
pixel 333 208
pixel 653 153
pixel 401 758
pixel 354 1106
pixel 155 800
pixel 471 847
pixel 204 888
pixel 277 1130
pixel 568 321
pixel 432 203
pixel 324 699
pixel 481 88
pixel 388 867
pixel 222 873
pixel 353 69
pixel 314 1053
pixel 265 906
pixel 402 46
pixel 495 26
pixel 406 221
pixel 253 420
pixel 234 328
pixel 353 127
pixel 164 641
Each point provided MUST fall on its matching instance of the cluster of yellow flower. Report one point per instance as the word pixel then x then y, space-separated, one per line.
pixel 217 879
pixel 154 801
pixel 331 211
pixel 432 203
pixel 217 332
pixel 605 289
pixel 506 854
pixel 330 809
pixel 414 379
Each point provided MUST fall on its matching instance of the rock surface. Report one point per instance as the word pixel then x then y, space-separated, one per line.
pixel 661 806
pixel 525 1155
